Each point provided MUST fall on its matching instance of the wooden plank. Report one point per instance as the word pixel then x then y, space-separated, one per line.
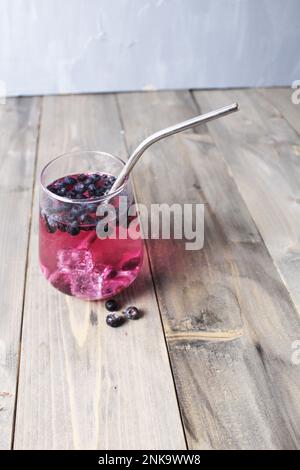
pixel 262 152
pixel 84 385
pixel 282 100
pixel 19 119
pixel 229 320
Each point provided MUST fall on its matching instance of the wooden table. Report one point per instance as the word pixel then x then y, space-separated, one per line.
pixel 213 364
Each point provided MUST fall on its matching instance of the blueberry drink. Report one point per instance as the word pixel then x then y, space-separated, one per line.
pixel 73 258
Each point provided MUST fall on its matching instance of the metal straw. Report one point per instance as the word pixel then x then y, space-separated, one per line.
pixel 181 126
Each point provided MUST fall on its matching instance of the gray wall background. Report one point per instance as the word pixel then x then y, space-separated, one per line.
pixel 70 46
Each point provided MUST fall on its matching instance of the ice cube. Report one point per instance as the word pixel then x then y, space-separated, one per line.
pixel 86 285
pixel 74 260
pixel 61 281
pixel 109 273
pixel 113 281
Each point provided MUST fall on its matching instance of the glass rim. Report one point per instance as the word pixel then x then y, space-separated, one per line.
pixel 82 201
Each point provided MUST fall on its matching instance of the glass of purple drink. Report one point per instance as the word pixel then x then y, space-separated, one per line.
pixel 72 256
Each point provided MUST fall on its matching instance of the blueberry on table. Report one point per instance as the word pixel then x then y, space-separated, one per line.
pixel 132 313
pixel 114 320
pixel 73 229
pixel 111 305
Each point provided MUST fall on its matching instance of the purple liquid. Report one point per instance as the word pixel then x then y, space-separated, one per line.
pixel 76 261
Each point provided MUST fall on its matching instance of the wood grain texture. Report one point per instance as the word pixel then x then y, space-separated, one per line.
pixel 84 385
pixel 282 100
pixel 262 151
pixel 228 318
pixel 18 139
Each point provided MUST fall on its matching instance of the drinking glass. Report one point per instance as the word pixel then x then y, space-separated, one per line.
pixel 72 256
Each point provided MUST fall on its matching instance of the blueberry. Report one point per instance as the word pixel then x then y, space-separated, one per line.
pixel 73 229
pixel 81 209
pixel 61 207
pixel 61 226
pixel 81 177
pixel 92 189
pixel 86 219
pixel 71 194
pixel 109 182
pixel 132 313
pixel 91 207
pixel 52 188
pixel 111 305
pixel 57 186
pixel 88 180
pixel 79 187
pixel 96 177
pixel 62 191
pixel 99 192
pixel 79 196
pixel 131 264
pixel 68 180
pixel 114 320
pixel 51 224
pixel 75 211
pixel 111 274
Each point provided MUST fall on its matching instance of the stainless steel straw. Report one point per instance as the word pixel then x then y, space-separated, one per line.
pixel 181 126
